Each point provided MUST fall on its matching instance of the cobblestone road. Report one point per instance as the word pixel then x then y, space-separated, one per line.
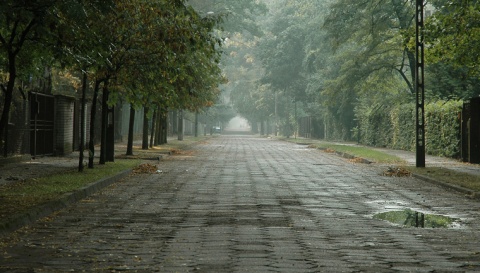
pixel 245 204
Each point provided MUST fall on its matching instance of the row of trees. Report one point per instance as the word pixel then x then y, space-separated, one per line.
pixel 336 59
pixel 159 54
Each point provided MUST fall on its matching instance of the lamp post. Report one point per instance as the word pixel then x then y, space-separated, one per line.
pixel 419 85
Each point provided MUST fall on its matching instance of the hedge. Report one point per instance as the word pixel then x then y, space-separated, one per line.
pixel 394 127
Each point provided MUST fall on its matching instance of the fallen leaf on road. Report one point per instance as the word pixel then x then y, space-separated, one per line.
pixel 357 160
pixel 145 168
pixel 397 172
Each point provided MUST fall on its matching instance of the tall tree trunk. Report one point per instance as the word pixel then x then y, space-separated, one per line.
pixel 145 129
pixel 161 124
pixel 82 122
pixel 130 130
pixel 154 123
pixel 103 137
pixel 180 125
pixel 165 127
pixel 8 93
pixel 110 135
pixel 158 130
pixel 93 114
pixel 12 46
pixel 196 124
pixel 175 122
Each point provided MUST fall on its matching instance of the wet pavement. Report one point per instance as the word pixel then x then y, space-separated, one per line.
pixel 246 204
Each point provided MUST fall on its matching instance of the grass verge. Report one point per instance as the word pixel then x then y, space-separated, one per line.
pixel 362 152
pixel 448 176
pixel 19 197
pixel 356 151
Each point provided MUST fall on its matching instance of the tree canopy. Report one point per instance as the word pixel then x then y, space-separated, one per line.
pixel 337 58
pixel 272 61
pixel 162 52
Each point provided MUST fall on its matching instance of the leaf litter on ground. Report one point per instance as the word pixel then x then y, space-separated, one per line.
pixel 397 172
pixel 145 169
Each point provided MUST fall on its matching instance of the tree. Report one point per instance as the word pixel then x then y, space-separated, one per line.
pixel 175 59
pixel 369 35
pixel 241 15
pixel 24 30
pixel 240 30
pixel 453 37
pixel 79 47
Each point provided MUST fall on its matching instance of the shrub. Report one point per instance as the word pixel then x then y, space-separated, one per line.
pixel 394 127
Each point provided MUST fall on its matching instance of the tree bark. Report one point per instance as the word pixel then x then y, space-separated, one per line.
pixel 103 137
pixel 13 47
pixel 154 126
pixel 196 124
pixel 180 125
pixel 175 122
pixel 158 130
pixel 165 127
pixel 93 114
pixel 130 131
pixel 8 92
pixel 145 129
pixel 82 122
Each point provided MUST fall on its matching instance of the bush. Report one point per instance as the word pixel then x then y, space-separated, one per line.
pixel 403 127
pixel 442 128
pixel 395 127
pixel 375 127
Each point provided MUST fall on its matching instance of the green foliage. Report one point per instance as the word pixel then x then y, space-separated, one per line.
pixel 157 51
pixel 220 113
pixel 394 127
pixel 240 14
pixel 366 36
pixel 448 82
pixel 442 128
pixel 402 119
pixel 375 127
pixel 453 33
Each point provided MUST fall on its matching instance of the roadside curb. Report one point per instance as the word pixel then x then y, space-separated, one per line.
pixel 66 200
pixel 470 193
pixel 348 156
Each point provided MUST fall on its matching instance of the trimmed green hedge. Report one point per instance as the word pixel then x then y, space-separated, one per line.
pixel 394 127
pixel 442 128
pixel 402 118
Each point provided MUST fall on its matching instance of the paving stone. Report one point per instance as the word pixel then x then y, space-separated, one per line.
pixel 246 204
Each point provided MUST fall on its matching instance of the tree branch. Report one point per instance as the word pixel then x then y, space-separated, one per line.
pixel 23 93
pixel 14 31
pixel 23 36
pixel 410 86
pixel 2 40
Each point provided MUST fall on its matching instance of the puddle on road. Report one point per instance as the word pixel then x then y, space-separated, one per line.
pixel 411 218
